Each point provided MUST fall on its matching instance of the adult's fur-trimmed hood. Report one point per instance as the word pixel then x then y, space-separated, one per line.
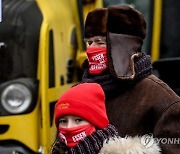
pixel 130 145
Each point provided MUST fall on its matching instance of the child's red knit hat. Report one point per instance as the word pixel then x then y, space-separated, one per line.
pixel 86 100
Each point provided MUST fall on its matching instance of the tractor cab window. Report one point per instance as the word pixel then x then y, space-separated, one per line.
pixel 170 31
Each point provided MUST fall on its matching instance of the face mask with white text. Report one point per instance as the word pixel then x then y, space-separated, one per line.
pixel 97 57
pixel 71 136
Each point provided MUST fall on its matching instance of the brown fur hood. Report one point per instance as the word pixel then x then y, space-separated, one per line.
pixel 130 145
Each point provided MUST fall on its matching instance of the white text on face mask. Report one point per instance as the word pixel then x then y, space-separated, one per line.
pixel 97 66
pixel 100 65
pixel 98 57
pixel 79 136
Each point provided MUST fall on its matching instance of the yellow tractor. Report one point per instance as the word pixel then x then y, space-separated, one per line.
pixel 41 52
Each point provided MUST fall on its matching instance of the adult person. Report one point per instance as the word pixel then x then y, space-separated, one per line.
pixel 137 102
pixel 83 126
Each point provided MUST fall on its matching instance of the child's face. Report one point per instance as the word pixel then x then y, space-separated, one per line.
pixel 70 121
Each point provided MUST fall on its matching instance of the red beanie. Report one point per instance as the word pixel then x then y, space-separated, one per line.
pixel 85 100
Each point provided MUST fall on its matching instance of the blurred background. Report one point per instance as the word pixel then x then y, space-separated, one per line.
pixel 41 56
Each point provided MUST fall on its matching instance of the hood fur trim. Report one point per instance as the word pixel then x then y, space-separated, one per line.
pixel 129 145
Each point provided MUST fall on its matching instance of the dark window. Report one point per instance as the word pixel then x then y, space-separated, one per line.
pixel 170 34
pixel 19 40
pixel 51 60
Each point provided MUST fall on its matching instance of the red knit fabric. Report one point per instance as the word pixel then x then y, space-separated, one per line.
pixel 86 100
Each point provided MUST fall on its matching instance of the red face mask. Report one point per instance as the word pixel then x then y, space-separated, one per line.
pixel 71 136
pixel 97 58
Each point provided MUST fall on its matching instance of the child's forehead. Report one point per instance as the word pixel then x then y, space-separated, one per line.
pixel 69 117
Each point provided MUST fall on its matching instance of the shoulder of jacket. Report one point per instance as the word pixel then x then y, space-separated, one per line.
pixel 155 79
pixel 155 83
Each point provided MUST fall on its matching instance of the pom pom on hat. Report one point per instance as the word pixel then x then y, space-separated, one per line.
pixel 86 100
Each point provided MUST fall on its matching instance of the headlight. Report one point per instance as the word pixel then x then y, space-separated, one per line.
pixel 16 98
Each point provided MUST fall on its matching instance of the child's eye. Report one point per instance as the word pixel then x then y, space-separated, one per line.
pixel 62 121
pixel 78 120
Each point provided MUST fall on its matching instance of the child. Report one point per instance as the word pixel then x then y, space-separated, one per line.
pixel 84 105
pixel 82 123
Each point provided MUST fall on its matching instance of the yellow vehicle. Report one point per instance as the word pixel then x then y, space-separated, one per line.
pixel 41 51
